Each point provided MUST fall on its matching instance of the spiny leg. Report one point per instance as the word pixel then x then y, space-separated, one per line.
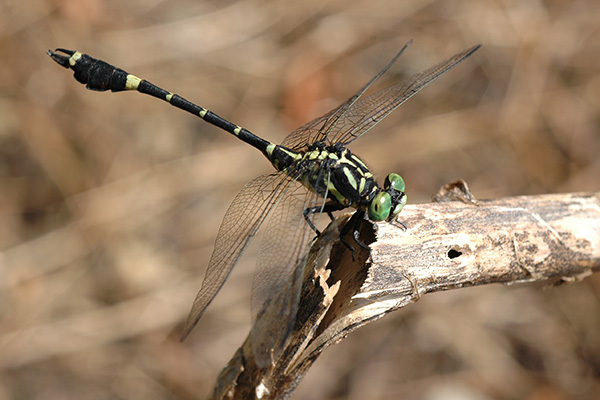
pixel 353 225
pixel 328 208
pixel 399 225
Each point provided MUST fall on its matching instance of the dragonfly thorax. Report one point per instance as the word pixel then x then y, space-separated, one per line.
pixel 332 171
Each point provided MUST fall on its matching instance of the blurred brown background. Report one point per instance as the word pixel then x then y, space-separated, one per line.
pixel 110 203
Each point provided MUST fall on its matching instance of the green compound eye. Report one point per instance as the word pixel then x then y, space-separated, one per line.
pixel 394 181
pixel 380 206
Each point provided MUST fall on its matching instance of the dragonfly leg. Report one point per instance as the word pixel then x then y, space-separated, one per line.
pixel 328 208
pixel 353 225
pixel 399 225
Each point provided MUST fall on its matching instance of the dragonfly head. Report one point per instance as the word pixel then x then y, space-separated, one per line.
pixel 388 203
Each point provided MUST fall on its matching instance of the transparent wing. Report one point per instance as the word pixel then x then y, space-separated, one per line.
pixel 280 269
pixel 243 218
pixel 319 128
pixel 357 115
pixel 366 112
pixel 311 132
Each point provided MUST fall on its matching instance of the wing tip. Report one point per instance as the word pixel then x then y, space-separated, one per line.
pixel 473 49
pixel 191 322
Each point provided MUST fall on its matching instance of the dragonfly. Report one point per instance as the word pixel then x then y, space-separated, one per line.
pixel 315 174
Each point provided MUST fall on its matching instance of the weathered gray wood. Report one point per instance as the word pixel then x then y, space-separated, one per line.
pixel 446 245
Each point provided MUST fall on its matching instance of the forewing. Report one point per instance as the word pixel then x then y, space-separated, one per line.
pixel 321 128
pixel 366 112
pixel 243 218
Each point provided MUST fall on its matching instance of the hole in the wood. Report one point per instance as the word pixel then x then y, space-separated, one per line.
pixel 453 253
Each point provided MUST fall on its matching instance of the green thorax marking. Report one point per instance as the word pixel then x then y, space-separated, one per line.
pixel 329 171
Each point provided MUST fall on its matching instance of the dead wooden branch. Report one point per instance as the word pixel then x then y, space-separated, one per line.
pixel 446 245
